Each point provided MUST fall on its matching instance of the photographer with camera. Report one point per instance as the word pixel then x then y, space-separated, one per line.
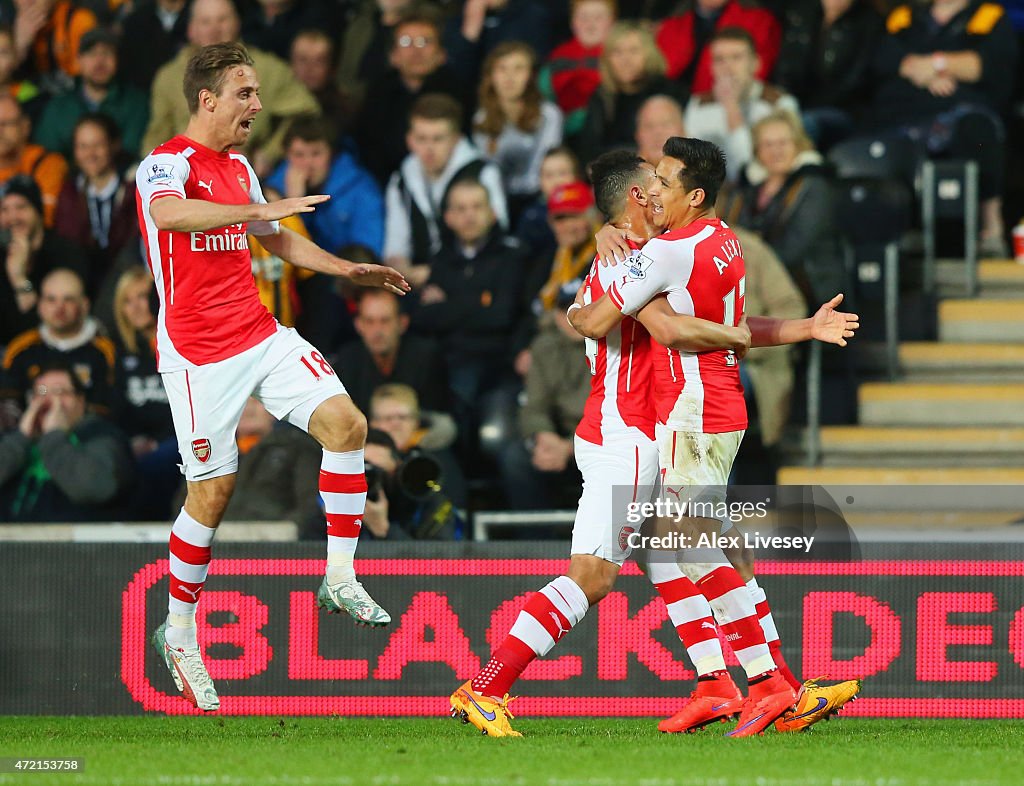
pixel 414 487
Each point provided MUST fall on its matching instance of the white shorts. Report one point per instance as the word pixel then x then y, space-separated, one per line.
pixel 617 474
pixel 697 466
pixel 283 371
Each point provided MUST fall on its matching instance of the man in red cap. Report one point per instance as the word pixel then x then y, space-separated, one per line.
pixel 574 220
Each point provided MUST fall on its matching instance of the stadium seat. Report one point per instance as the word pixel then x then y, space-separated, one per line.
pixel 949 190
pixel 877 157
pixel 872 214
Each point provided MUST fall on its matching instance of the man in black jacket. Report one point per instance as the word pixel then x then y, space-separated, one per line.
pixel 62 464
pixel 473 301
pixel 385 353
pixel 418 67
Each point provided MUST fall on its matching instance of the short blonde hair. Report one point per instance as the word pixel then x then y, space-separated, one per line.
pixel 396 392
pixel 654 60
pixel 791 121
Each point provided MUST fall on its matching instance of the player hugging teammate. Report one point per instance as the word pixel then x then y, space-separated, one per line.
pixel 680 352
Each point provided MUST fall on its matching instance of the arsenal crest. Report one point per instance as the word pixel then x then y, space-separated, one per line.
pixel 624 534
pixel 201 449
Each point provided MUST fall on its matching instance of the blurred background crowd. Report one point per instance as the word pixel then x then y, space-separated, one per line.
pixel 453 139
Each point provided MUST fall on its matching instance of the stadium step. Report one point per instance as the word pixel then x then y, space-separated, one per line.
pixel 868 446
pixel 897 476
pixel 962 362
pixel 984 321
pixel 940 404
pixel 997 278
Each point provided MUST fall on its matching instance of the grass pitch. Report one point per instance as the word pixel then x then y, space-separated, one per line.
pixel 212 751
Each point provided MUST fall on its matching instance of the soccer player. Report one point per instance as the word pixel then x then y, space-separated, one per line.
pixel 614 446
pixel 698 263
pixel 217 345
pixel 814 701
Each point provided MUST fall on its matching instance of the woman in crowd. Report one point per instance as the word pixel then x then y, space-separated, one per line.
pixel 514 125
pixel 142 410
pixel 632 70
pixel 559 167
pixel 786 199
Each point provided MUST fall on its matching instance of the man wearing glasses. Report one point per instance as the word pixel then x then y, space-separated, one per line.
pixel 61 463
pixel 419 65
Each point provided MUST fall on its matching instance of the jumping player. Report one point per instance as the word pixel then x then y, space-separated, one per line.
pixel 615 447
pixel 217 345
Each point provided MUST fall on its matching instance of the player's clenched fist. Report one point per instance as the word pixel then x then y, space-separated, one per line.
pixel 282 208
pixel 379 276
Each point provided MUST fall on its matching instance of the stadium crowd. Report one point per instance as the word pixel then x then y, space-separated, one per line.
pixel 453 139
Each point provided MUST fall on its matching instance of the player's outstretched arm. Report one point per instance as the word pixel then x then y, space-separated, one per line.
pixel 597 319
pixel 303 252
pixel 174 214
pixel 827 325
pixel 691 334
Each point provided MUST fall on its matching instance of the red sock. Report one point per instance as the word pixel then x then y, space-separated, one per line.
pixel 780 663
pixel 737 617
pixel 503 669
pixel 547 616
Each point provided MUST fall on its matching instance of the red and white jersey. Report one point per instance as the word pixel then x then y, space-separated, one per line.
pixel 620 389
pixel 701 269
pixel 210 308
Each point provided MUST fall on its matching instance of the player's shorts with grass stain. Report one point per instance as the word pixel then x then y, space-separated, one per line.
pixel 696 466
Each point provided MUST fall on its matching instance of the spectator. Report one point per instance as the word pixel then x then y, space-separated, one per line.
pixel 473 302
pixel 483 24
pixel 278 468
pixel 514 126
pixel 943 76
pixel 659 118
pixel 418 68
pixel 272 25
pixel 48 34
pixel 559 167
pixel 827 46
pixel 96 210
pixel 737 99
pixel 355 212
pixel 67 333
pixel 30 251
pixel 786 199
pixel 277 280
pixel 416 487
pixel 766 372
pixel 140 399
pixel 19 156
pixel 62 463
pixel 572 73
pixel 386 353
pixel 25 92
pixel 312 62
pixel 684 39
pixel 440 155
pixel 96 91
pixel 366 43
pixel 538 470
pixel 283 96
pixel 574 220
pixel 632 70
pixel 151 34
